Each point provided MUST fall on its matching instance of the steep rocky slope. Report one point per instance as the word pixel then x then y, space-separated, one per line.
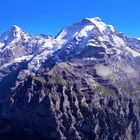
pixel 87 88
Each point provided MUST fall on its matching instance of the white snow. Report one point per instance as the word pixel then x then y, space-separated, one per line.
pixel 112 28
pixel 69 32
pixel 1 45
pixel 16 31
pixel 90 58
pixel 48 48
pixel 97 21
pixel 85 31
pixel 37 60
pixel 13 35
pixel 134 53
pixel 16 27
pixel 118 41
pixel 86 28
pixel 50 44
pixel 19 59
pixel 16 60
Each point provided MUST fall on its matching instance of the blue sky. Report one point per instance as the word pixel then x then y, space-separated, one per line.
pixel 50 16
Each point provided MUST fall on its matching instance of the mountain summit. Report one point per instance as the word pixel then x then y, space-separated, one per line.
pixel 14 34
pixel 82 84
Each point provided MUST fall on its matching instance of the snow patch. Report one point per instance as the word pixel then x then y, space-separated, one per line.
pixel 97 21
pixel 134 53
pixel 23 58
pixel 85 31
pixel 1 45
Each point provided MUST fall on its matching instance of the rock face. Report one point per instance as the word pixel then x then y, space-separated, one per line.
pixel 82 85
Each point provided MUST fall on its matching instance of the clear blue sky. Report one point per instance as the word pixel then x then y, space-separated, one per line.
pixel 50 16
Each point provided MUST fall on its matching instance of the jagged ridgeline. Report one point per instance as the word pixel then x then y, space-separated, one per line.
pixel 83 84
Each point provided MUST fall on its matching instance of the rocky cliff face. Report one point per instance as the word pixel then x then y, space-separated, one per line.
pixel 87 88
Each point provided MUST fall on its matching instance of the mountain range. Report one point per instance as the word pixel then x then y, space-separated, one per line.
pixel 83 84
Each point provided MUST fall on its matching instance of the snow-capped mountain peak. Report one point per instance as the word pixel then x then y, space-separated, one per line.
pixel 14 31
pixel 91 20
pixel 15 28
pixel 90 32
pixel 17 46
pixel 84 28
pixel 14 34
pixel 98 23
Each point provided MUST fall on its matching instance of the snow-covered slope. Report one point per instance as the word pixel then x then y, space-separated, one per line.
pixel 12 36
pixel 92 33
pixel 17 46
pixel 88 28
